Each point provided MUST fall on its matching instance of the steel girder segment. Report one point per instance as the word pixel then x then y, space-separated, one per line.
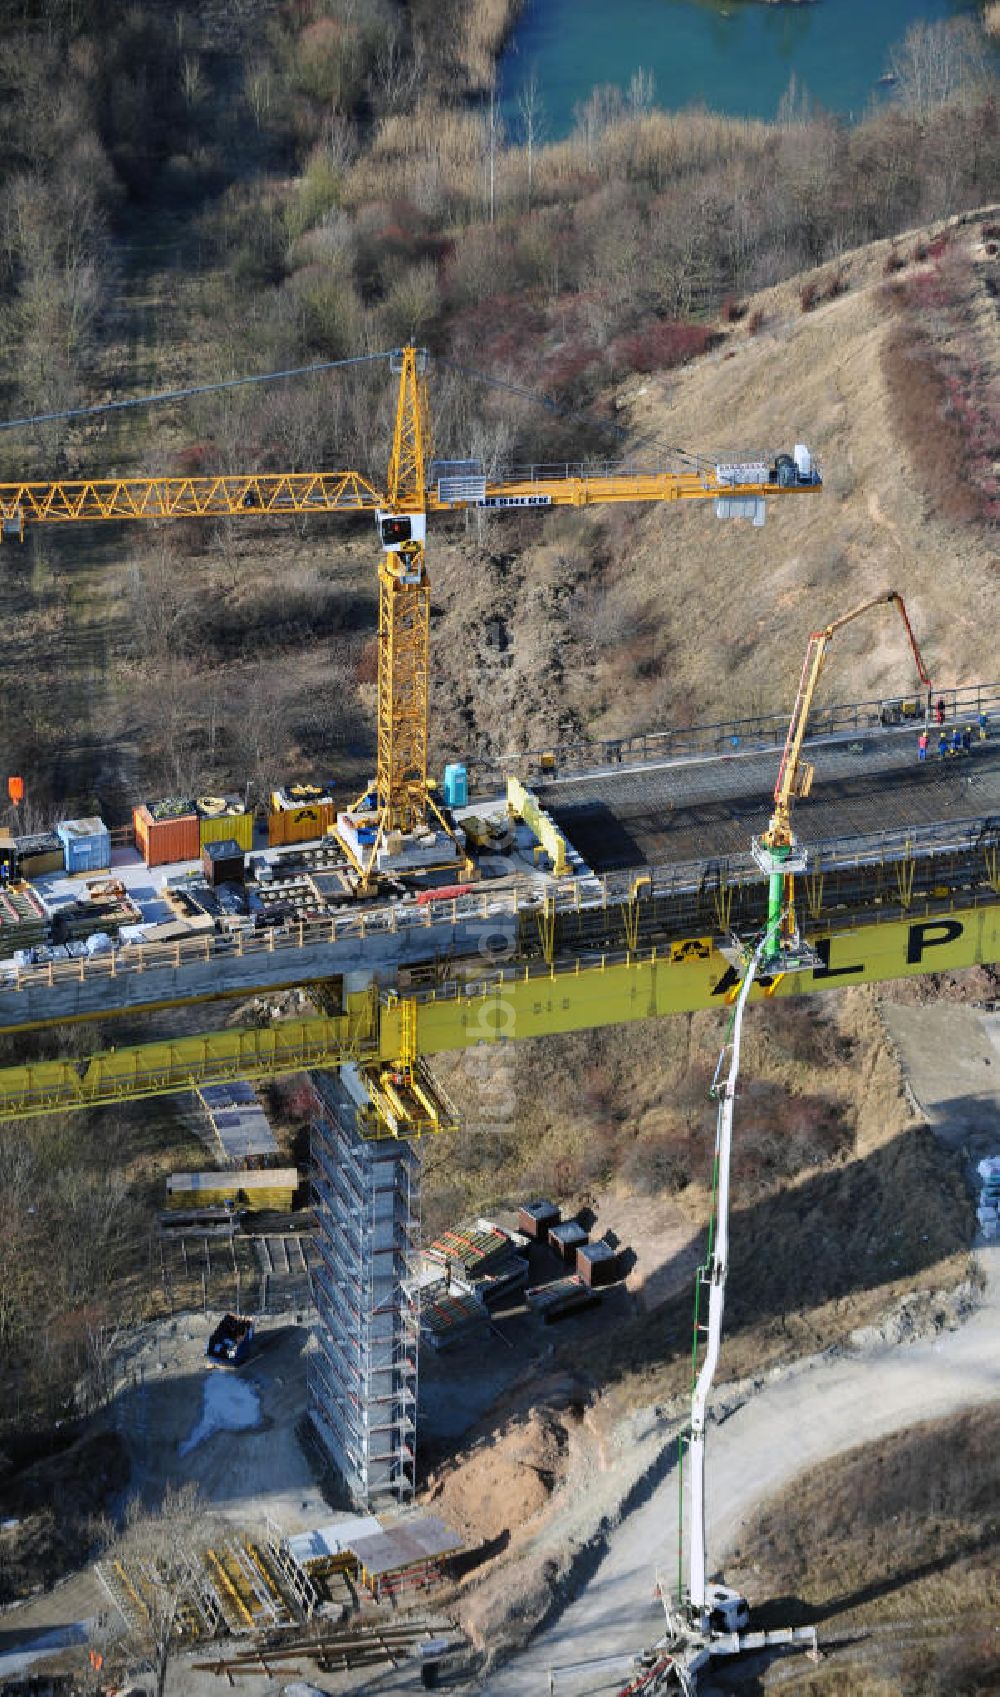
pixel 524 1003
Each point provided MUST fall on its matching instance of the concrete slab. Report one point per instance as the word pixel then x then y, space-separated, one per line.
pixel 691 809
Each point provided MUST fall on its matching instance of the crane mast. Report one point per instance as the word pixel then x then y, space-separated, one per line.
pixel 400 793
pixel 399 800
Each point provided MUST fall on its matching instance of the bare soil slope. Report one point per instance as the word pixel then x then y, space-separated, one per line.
pixel 617 619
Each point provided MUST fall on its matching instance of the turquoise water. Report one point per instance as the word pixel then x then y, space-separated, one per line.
pixel 734 56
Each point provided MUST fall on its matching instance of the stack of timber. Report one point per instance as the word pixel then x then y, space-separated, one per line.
pixel 484 1263
pixel 343 1649
pixel 561 1298
pixel 449 1317
pixel 23 919
pixel 106 907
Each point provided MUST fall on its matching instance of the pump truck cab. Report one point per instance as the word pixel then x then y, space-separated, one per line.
pixel 727 1610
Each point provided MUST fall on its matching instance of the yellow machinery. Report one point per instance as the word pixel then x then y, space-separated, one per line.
pixel 399 800
pixel 776 850
pixel 514 1005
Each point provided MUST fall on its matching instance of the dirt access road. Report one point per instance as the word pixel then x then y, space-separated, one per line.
pixel 808 1413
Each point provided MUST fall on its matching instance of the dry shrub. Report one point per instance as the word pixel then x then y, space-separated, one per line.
pixel 920 402
pixel 366 665
pixel 894 261
pixel 733 310
pixel 664 345
pixel 479 28
pixel 836 284
pixel 919 253
pixel 809 294
pixel 944 391
pixel 756 321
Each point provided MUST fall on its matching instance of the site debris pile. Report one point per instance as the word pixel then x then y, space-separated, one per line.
pixel 107 907
pixel 347 1649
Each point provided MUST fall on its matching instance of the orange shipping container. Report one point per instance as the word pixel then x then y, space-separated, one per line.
pixel 161 842
pixel 299 824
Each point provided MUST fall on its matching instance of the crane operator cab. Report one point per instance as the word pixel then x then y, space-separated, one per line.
pixel 395 530
pixel 403 535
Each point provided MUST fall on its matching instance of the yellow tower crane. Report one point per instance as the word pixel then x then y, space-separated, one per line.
pixel 399 802
pixel 777 851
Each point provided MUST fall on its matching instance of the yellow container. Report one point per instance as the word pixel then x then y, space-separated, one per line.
pixel 222 826
pixel 299 824
pixel 267 1188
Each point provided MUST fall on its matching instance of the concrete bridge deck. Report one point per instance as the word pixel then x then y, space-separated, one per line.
pixel 699 809
pixel 683 814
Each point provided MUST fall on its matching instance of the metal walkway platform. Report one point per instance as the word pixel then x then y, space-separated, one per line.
pixel 689 810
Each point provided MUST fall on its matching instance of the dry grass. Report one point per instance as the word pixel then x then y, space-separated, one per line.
pixel 825 1150
pixel 903 1530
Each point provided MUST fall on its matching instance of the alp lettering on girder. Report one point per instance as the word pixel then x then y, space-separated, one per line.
pixel 921 937
pixel 692 948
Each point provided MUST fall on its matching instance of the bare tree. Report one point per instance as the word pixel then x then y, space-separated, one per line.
pixel 532 113
pixel 397 72
pixel 155 1548
pixel 641 91
pixel 937 63
pixel 493 136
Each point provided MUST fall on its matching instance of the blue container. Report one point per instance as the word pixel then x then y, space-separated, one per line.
pixel 86 845
pixel 456 786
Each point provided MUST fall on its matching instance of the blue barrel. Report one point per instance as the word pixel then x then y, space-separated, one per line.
pixel 456 786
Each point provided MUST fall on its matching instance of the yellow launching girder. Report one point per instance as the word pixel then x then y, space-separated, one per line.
pixel 521 1003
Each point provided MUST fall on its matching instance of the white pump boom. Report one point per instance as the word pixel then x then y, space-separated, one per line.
pixel 705 1598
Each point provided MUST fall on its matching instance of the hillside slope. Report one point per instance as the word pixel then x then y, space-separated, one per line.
pixel 610 621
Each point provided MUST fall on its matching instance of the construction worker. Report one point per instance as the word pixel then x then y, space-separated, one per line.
pixel 982 727
pixel 956 741
pixel 939 710
pixel 922 746
pixel 943 744
pixel 967 740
